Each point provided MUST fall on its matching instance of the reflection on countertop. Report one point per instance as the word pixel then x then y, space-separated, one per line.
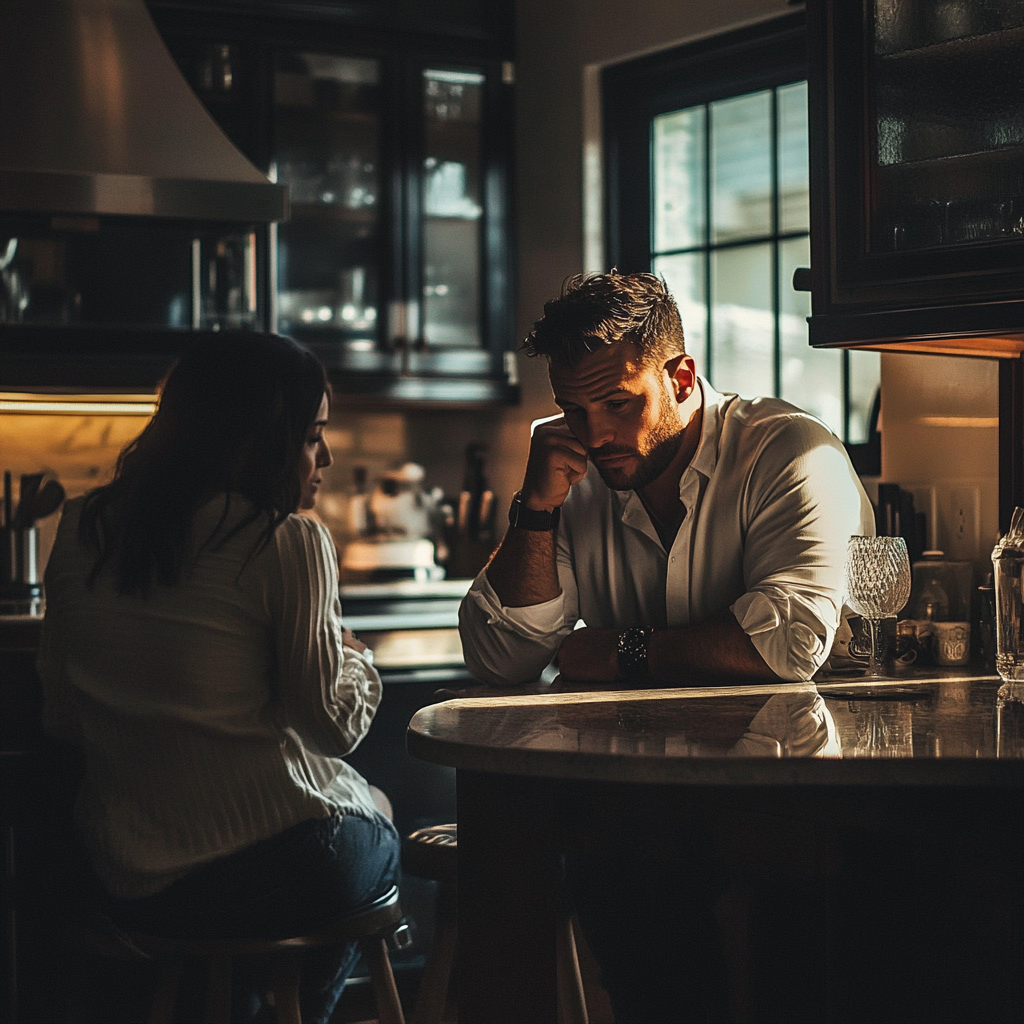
pixel 951 730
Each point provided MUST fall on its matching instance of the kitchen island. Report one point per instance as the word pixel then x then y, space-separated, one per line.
pixel 872 833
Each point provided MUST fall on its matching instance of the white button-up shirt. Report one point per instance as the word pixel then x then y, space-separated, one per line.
pixel 771 502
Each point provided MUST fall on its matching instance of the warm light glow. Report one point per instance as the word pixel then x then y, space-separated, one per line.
pixel 959 421
pixel 79 405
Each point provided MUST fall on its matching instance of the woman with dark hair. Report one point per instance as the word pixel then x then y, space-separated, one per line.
pixel 193 648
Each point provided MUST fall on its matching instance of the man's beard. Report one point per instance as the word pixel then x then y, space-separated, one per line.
pixel 662 446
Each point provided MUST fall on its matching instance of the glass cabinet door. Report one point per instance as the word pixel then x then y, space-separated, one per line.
pixel 327 128
pixel 948 122
pixel 452 205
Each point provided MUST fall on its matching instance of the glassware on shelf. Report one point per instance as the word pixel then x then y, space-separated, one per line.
pixel 452 208
pixel 877 584
pixel 948 125
pixel 224 282
pixel 327 150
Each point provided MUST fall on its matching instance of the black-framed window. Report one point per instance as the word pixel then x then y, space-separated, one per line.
pixel 707 171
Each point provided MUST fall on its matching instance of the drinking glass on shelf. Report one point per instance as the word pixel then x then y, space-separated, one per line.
pixel 877 584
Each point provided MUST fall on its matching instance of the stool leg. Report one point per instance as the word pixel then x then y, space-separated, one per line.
pixel 389 1009
pixel 286 990
pixel 218 990
pixel 572 1007
pixel 162 1009
pixel 433 991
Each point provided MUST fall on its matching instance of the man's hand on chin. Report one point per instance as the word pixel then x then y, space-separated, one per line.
pixel 590 655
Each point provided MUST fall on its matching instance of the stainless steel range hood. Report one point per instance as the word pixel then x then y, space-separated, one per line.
pixel 96 119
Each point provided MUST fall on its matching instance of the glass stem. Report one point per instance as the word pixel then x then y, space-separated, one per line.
pixel 873 665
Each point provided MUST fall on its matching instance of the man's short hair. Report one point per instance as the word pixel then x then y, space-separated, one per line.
pixel 604 309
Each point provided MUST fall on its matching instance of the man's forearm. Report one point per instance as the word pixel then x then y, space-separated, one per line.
pixel 717 647
pixel 523 570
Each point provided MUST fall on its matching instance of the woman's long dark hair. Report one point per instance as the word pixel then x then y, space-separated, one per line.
pixel 233 416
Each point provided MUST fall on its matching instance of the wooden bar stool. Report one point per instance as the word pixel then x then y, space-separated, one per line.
pixel 375 927
pixel 434 853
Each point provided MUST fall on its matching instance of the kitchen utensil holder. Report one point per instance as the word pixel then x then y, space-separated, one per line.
pixel 21 592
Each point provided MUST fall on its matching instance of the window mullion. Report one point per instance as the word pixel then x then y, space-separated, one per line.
pixel 776 298
pixel 708 340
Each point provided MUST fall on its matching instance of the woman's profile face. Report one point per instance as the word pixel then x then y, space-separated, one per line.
pixel 315 455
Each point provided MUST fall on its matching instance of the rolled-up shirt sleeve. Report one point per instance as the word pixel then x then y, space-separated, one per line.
pixel 507 646
pixel 803 504
pixel 329 692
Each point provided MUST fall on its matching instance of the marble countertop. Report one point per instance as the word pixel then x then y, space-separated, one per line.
pixel 950 729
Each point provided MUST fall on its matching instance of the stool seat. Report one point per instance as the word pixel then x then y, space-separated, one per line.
pixel 374 926
pixel 432 853
pixel 382 916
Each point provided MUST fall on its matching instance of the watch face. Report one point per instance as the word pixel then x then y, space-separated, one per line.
pixel 632 653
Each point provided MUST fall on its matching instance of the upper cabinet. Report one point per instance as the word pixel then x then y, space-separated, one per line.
pixel 917 174
pixel 395 266
pixel 394 262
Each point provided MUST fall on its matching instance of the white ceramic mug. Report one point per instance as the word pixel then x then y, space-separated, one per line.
pixel 952 642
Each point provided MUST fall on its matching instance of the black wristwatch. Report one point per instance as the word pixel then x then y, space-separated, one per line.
pixel 526 518
pixel 632 655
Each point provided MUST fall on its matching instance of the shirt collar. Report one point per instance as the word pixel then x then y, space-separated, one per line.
pixel 705 458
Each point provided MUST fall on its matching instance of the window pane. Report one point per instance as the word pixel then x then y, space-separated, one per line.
pixel 741 173
pixel 811 378
pixel 452 170
pixel 684 275
pixel 742 323
pixel 793 171
pixel 865 375
pixel 679 185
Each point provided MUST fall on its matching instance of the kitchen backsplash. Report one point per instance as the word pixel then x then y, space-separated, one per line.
pixel 81 451
pixel 940 441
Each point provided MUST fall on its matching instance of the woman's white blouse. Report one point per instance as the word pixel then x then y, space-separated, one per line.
pixel 212 714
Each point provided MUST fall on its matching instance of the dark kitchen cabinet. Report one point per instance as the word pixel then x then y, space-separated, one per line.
pixel 396 265
pixel 917 174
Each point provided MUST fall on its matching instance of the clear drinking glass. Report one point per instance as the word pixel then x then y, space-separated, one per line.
pixel 1008 572
pixel 877 584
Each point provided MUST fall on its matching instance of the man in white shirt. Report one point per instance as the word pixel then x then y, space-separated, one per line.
pixel 692 536
pixel 696 535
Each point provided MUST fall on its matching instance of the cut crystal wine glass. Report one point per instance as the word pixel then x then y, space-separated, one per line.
pixel 877 584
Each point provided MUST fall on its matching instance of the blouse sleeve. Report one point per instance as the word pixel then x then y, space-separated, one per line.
pixel 329 692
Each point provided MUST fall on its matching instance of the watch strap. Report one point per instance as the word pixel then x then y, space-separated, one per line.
pixel 525 518
pixel 632 654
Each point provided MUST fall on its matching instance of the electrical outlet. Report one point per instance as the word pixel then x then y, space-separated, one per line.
pixel 963 535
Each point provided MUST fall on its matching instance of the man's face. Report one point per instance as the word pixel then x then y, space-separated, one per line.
pixel 625 413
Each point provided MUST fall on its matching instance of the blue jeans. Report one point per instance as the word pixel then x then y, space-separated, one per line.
pixel 287 885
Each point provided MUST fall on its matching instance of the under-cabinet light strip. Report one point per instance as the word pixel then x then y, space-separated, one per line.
pixel 960 421
pixel 78 408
